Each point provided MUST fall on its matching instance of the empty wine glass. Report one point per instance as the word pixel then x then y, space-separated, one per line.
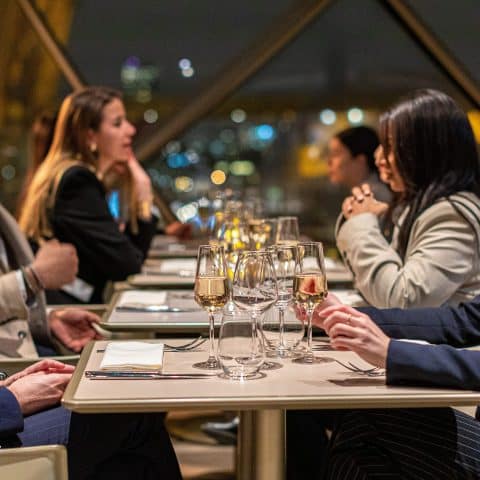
pixel 309 290
pixel 293 331
pixel 287 231
pixel 255 287
pixel 212 292
pixel 284 261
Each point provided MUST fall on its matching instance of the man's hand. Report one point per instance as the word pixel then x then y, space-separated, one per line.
pixel 39 391
pixel 74 327
pixel 349 329
pixel 46 365
pixel 56 264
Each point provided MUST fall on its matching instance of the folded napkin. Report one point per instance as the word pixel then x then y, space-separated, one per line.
pixel 132 356
pixel 178 264
pixel 142 296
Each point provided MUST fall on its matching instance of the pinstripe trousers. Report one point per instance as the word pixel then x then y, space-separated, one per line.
pixel 404 444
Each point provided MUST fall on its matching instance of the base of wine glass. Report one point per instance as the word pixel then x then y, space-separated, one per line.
pixel 310 360
pixel 207 365
pixel 279 353
pixel 253 376
pixel 271 366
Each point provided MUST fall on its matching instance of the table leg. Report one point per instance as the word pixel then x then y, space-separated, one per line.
pixel 261 445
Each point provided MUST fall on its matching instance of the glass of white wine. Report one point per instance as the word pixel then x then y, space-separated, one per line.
pixel 212 292
pixel 309 290
pixel 287 231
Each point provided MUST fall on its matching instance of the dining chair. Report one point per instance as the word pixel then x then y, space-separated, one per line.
pixel 47 462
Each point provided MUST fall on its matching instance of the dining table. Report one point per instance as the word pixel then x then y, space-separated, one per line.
pixel 262 401
pixel 175 311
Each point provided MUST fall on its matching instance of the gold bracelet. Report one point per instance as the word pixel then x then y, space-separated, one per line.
pixel 145 209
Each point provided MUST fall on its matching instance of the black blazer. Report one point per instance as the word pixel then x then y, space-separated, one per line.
pixel 80 216
pixel 442 364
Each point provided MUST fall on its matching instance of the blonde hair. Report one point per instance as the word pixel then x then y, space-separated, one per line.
pixel 79 113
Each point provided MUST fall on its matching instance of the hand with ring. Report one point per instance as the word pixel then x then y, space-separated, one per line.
pixel 350 329
pixel 362 200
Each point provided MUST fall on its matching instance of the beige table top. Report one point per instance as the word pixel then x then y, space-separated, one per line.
pixel 184 322
pixel 181 322
pixel 319 386
pixel 167 246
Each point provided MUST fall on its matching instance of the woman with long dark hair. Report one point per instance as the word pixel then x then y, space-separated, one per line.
pixel 429 158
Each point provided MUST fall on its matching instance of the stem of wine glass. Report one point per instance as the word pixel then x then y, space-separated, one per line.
pixel 281 318
pixel 309 352
pixel 254 333
pixel 212 359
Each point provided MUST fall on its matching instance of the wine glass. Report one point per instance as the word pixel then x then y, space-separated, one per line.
pixel 233 236
pixel 284 261
pixel 260 232
pixel 287 231
pixel 255 287
pixel 309 290
pixel 204 210
pixel 212 292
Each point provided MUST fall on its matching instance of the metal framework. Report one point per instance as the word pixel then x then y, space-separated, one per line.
pixel 52 45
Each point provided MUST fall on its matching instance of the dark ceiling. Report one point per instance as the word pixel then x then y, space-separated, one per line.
pixel 354 50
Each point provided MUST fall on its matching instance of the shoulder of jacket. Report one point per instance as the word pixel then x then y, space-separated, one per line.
pixel 76 175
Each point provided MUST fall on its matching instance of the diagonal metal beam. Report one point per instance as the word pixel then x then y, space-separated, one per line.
pixel 434 48
pixel 238 71
pixel 51 44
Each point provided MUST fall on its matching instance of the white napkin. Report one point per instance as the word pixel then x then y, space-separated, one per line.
pixel 175 265
pixel 145 297
pixel 132 356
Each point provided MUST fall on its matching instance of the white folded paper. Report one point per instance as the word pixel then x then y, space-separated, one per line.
pixel 132 356
pixel 146 297
pixel 178 265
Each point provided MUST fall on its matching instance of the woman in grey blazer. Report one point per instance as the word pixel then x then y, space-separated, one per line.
pixel 428 156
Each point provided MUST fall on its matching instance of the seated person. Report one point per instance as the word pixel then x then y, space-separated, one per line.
pixel 100 446
pixel 437 443
pixel 25 326
pixel 351 161
pixel 429 157
pixel 66 198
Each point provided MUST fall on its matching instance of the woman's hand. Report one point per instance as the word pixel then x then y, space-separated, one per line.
pixel 349 329
pixel 362 201
pixel 141 180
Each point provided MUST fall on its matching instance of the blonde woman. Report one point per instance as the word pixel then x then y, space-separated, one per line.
pixel 66 199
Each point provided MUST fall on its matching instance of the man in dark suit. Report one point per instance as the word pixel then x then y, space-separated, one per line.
pixel 439 443
pixel 99 446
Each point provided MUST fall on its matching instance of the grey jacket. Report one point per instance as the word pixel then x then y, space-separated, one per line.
pixel 441 262
pixel 17 321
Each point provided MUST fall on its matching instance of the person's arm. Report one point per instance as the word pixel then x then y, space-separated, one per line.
pixel 81 217
pixel 441 253
pixel 11 418
pixel 456 326
pixel 432 365
pixel 405 363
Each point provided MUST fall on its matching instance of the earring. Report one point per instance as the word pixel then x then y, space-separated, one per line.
pixel 93 147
